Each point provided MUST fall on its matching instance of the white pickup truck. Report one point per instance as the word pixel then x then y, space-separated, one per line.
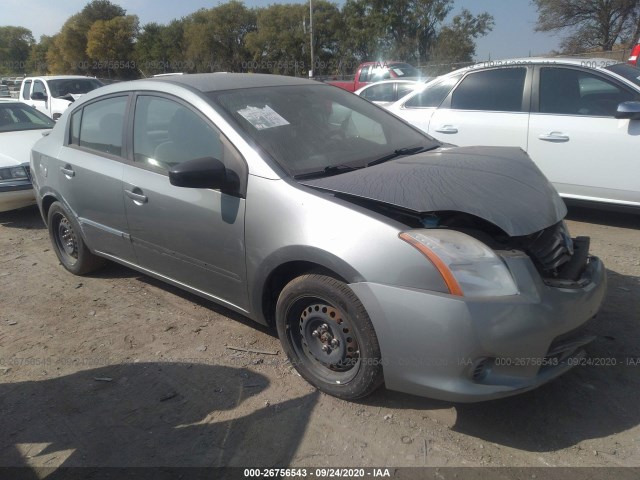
pixel 53 94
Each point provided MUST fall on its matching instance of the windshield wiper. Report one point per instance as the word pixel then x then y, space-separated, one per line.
pixel 327 171
pixel 401 152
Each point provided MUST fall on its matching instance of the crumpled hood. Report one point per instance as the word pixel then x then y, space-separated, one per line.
pixel 499 184
pixel 15 147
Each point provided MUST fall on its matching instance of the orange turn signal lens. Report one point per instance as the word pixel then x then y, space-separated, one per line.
pixel 449 280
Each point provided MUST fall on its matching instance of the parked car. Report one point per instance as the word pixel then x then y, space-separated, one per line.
pixel 4 92
pixel 388 91
pixel 53 94
pixel 635 53
pixel 20 127
pixel 370 72
pixel 379 254
pixel 578 119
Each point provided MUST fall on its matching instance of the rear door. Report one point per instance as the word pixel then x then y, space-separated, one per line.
pixel 576 140
pixel 89 169
pixel 192 236
pixel 488 107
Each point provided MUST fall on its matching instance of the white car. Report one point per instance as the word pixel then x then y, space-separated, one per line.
pixel 53 94
pixel 20 127
pixel 387 92
pixel 578 119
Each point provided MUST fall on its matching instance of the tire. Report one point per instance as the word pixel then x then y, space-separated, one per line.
pixel 328 336
pixel 68 243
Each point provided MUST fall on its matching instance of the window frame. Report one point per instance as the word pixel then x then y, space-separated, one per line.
pixel 535 96
pixel 241 169
pixel 122 158
pixel 525 106
pixel 26 88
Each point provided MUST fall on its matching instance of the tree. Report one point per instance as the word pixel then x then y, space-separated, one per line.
pixel 589 23
pixel 69 50
pixel 280 44
pixel 110 46
pixel 15 46
pixel 214 39
pixel 38 64
pixel 455 43
pixel 327 24
pixel 408 30
pixel 159 48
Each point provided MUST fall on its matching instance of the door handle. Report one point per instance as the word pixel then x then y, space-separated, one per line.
pixel 138 198
pixel 447 129
pixel 554 137
pixel 68 171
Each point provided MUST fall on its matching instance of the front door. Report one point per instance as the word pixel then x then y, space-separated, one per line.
pixel 192 236
pixel 578 143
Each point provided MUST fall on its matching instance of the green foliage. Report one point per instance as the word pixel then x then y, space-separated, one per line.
pixel 279 44
pixel 103 40
pixel 68 54
pixel 410 30
pixel 110 45
pixel 37 64
pixel 455 42
pixel 214 39
pixel 159 48
pixel 15 46
pixel 590 24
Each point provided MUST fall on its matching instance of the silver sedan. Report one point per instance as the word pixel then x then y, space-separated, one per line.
pixel 379 254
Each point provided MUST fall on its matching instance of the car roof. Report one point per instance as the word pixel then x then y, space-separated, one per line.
pixel 208 82
pixel 591 62
pixel 58 77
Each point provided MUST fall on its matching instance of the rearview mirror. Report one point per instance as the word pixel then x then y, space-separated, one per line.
pixel 205 172
pixel 630 110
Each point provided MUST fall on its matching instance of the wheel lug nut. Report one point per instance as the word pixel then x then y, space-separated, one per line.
pixel 315 333
pixel 325 348
pixel 334 343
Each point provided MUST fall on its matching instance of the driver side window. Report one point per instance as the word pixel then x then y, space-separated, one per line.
pixel 167 133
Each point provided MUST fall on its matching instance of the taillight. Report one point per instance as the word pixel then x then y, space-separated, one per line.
pixel 633 59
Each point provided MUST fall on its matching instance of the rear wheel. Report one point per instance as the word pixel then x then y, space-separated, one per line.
pixel 68 244
pixel 328 336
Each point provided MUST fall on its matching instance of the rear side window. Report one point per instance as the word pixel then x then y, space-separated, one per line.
pixel 26 90
pixel 379 93
pixel 434 95
pixel 76 118
pixel 101 125
pixel 498 90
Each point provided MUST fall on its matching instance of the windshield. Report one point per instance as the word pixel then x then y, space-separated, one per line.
pixel 15 117
pixel 627 71
pixel 73 86
pixel 316 127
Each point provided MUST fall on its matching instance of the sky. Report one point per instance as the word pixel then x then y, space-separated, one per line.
pixel 512 36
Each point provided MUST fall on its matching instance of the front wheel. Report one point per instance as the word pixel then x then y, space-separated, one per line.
pixel 68 244
pixel 328 336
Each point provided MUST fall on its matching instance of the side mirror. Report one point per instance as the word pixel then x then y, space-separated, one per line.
pixel 38 96
pixel 630 110
pixel 205 172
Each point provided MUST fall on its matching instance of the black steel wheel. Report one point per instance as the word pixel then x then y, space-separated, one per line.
pixel 68 243
pixel 328 336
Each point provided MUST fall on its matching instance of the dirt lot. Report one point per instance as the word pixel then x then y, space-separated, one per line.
pixel 117 369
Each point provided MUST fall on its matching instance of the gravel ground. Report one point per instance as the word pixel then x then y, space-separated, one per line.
pixel 117 369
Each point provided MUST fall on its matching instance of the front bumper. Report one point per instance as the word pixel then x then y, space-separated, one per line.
pixel 16 196
pixel 472 349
